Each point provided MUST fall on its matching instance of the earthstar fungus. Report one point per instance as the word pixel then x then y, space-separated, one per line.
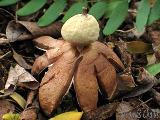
pixel 90 70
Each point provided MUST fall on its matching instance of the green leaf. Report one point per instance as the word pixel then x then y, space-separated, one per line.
pixel 11 116
pixel 116 18
pixel 153 69
pixel 19 99
pixel 52 13
pixel 8 2
pixel 98 9
pixel 110 7
pixel 155 13
pixel 75 9
pixel 142 15
pixel 31 7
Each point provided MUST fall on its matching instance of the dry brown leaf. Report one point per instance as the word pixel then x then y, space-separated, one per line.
pixel 22 30
pixel 32 106
pixel 25 79
pixel 56 82
pixel 101 113
pixel 30 98
pixel 20 60
pixel 145 77
pixel 12 78
pixel 151 59
pixel 16 32
pixel 126 80
pixel 124 55
pixel 156 96
pixel 5 107
pixel 155 35
pixel 18 76
pixel 136 47
pixel 142 111
pixel 146 82
pixel 125 112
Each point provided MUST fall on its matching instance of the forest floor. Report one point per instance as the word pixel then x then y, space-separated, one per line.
pixel 138 92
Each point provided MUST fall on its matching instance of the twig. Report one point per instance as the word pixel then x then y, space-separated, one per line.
pixel 132 11
pixel 6 54
pixel 130 30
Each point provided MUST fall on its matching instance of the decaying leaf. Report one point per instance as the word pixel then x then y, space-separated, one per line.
pixel 124 54
pixel 145 77
pixel 22 30
pixel 140 110
pixel 101 113
pixel 5 107
pixel 155 35
pixel 18 76
pixel 146 82
pixel 151 59
pixel 30 98
pixel 138 47
pixel 126 81
pixel 156 96
pixel 20 60
pixel 12 78
pixel 126 112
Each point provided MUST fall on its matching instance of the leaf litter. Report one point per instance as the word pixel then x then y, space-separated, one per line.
pixel 134 92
